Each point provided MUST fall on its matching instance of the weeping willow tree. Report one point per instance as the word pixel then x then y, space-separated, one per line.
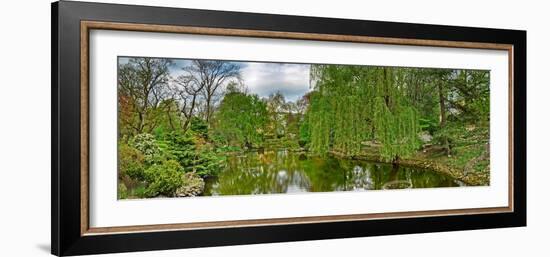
pixel 319 122
pixel 336 113
pixel 394 118
pixel 353 104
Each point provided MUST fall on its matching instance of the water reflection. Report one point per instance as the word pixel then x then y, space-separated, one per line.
pixel 282 171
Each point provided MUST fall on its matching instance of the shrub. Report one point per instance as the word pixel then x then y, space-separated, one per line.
pixel 163 179
pixel 290 144
pixel 182 148
pixel 206 163
pixel 140 191
pixel 179 147
pixel 199 126
pixel 131 162
pixel 428 124
pixel 122 191
pixel 148 146
pixel 228 149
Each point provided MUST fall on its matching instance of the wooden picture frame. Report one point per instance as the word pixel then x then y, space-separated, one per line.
pixel 71 25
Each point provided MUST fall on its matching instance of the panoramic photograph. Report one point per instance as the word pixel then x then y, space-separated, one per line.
pixel 194 128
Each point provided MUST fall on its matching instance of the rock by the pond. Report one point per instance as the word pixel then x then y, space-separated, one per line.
pixel 425 137
pixel 194 185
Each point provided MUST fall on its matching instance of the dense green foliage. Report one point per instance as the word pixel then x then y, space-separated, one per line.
pixel 240 119
pixel 147 146
pixel 199 126
pixel 131 162
pixel 185 150
pixel 175 131
pixel 163 178
pixel 357 103
pixel 159 166
pixel 391 106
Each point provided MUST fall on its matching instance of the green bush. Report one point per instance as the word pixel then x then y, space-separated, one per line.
pixel 290 144
pixel 206 163
pixel 228 149
pixel 148 146
pixel 430 125
pixel 163 179
pixel 183 149
pixel 122 191
pixel 140 191
pixel 305 136
pixel 199 126
pixel 131 162
pixel 179 147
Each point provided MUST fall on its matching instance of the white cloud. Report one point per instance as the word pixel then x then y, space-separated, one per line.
pixel 263 79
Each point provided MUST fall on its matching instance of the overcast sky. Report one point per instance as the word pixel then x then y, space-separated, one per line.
pixel 263 79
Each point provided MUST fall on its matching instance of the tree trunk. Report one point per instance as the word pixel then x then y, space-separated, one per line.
pixel 140 123
pixel 395 161
pixel 386 87
pixel 189 115
pixel 443 117
pixel 208 99
pixel 170 118
pixel 442 114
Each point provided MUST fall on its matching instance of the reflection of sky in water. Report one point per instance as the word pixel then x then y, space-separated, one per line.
pixel 288 172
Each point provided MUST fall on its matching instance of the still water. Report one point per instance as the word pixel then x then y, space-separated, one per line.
pixel 282 171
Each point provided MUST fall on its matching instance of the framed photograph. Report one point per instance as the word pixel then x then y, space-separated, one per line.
pixel 177 128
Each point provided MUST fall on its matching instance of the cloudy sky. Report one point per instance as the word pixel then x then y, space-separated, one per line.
pixel 263 79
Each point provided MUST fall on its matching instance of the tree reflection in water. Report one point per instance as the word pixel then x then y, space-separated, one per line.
pixel 269 172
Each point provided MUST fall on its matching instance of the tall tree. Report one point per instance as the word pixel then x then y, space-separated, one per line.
pixel 440 83
pixel 187 91
pixel 443 115
pixel 470 94
pixel 142 87
pixel 241 119
pixel 352 104
pixel 303 103
pixel 211 76
pixel 339 114
pixel 396 121
pixel 276 105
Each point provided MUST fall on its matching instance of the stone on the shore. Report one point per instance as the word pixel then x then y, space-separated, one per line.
pixel 194 185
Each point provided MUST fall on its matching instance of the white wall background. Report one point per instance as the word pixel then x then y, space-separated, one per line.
pixel 25 127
